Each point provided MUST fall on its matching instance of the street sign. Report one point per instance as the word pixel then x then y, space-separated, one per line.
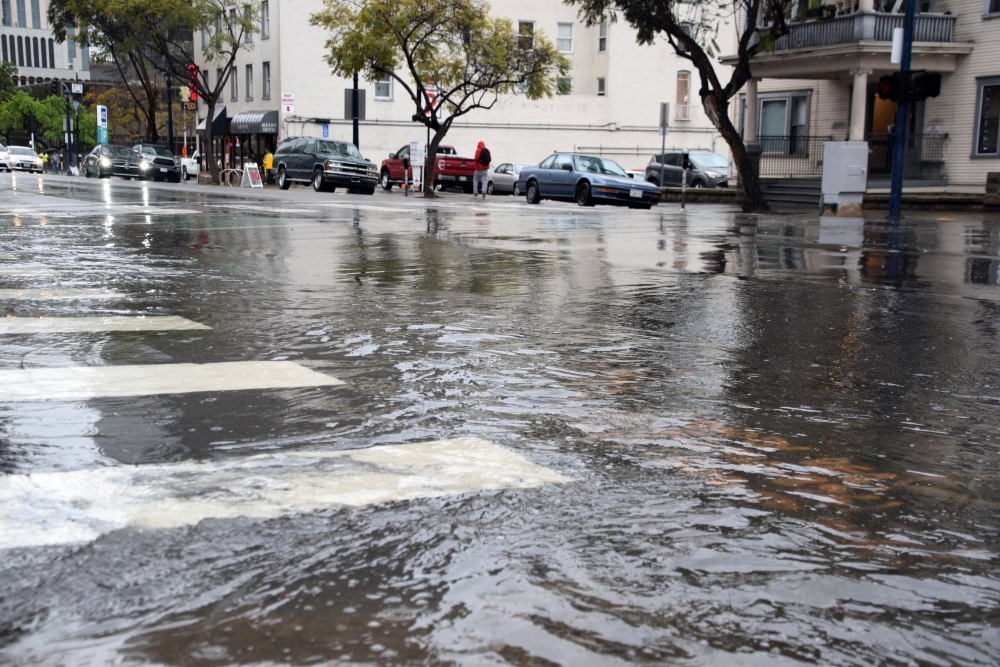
pixel 288 108
pixel 326 131
pixel 102 124
pixel 251 177
pixel 190 106
pixel 664 119
pixel 78 89
pixel 431 93
pixel 185 94
pixel 287 98
pixel 76 105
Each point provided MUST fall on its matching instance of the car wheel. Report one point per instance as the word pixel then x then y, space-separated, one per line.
pixel 531 194
pixel 86 172
pixel 698 184
pixel 489 188
pixel 184 174
pixel 283 181
pixel 317 181
pixel 516 191
pixel 583 197
pixel 385 182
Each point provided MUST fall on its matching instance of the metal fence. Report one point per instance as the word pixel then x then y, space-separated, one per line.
pixel 792 156
pixel 924 156
pixel 867 26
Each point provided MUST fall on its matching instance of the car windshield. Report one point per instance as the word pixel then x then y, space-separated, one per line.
pixel 162 152
pixel 709 161
pixel 597 165
pixel 18 150
pixel 338 148
pixel 117 151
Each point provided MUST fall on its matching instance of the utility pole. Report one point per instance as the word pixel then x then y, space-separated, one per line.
pixel 354 112
pixel 899 133
pixel 69 131
pixel 170 114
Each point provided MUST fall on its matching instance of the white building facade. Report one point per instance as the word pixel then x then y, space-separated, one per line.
pixel 613 107
pixel 26 40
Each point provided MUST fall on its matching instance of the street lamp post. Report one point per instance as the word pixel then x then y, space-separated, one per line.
pixel 899 130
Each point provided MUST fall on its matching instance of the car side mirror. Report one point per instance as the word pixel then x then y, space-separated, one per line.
pixel 567 167
pixel 392 156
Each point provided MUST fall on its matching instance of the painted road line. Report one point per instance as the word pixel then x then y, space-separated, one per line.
pixel 367 207
pixel 80 382
pixel 26 271
pixel 29 294
pixel 29 325
pixel 80 505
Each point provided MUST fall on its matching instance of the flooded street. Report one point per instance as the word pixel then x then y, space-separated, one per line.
pixel 296 428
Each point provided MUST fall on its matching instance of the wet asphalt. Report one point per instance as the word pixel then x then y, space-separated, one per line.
pixel 671 437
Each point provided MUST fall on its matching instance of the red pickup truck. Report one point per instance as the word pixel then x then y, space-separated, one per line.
pixel 450 169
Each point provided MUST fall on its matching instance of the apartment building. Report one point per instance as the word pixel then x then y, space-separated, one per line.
pixel 26 40
pixel 819 84
pixel 612 107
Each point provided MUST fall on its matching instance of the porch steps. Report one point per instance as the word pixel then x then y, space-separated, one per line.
pixel 792 194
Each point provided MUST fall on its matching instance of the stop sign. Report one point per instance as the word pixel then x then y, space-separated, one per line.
pixel 431 93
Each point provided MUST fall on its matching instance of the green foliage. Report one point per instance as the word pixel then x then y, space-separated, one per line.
pixel 7 72
pixel 453 44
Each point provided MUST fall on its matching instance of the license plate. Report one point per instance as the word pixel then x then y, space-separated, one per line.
pixel 461 178
pixel 163 169
pixel 635 193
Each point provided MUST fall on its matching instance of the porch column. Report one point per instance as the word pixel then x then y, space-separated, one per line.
pixel 750 115
pixel 859 105
pixel 866 5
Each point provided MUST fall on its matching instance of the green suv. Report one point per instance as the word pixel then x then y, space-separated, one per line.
pixel 326 164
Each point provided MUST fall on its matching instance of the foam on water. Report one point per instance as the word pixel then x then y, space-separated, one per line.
pixel 80 505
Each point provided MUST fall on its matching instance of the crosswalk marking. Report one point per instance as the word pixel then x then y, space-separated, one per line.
pixel 26 325
pixel 26 271
pixel 80 505
pixel 85 293
pixel 39 384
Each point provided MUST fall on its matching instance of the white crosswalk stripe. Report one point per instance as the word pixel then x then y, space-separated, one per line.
pixel 26 325
pixel 84 293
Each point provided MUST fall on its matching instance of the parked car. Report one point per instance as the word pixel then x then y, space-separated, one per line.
pixel 326 164
pixel 450 169
pixel 22 158
pixel 158 163
pixel 109 160
pixel 503 179
pixel 705 170
pixel 587 180
pixel 191 166
pixel 636 174
pixel 3 158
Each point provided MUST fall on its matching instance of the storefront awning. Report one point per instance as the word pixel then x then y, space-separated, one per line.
pixel 254 122
pixel 218 123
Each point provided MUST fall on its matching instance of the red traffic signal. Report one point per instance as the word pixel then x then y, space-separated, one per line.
pixel 193 82
pixel 889 87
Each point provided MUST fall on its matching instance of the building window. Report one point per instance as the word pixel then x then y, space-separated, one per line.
pixel 36 15
pixel 204 39
pixel 992 7
pixel 602 37
pixel 22 16
pixel 70 47
pixel 383 88
pixel 526 35
pixel 52 54
pixel 564 38
pixel 34 49
pixel 234 86
pixel 218 81
pixel 988 117
pixel 265 20
pixel 20 52
pixel 248 35
pixel 3 52
pixel 683 105
pixel 5 12
pixel 265 81
pixel 600 87
pixel 782 122
pixel 564 85
pixel 249 70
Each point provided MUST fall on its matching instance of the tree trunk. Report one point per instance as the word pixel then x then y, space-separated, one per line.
pixel 429 160
pixel 213 168
pixel 718 112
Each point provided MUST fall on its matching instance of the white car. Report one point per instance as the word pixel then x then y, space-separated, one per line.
pixel 503 179
pixel 190 166
pixel 22 158
pixel 3 157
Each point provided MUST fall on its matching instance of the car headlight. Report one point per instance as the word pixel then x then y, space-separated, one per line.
pixel 143 165
pixel 715 174
pixel 105 162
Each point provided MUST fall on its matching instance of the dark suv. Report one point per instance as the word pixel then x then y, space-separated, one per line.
pixel 325 164
pixel 705 170
pixel 157 163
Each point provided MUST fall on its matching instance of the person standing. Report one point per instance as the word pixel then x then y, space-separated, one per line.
pixel 482 161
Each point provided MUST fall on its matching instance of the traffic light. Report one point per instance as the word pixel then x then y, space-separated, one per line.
pixel 925 84
pixel 54 86
pixel 889 86
pixel 193 81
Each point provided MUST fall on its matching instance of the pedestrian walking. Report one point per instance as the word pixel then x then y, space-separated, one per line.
pixel 482 161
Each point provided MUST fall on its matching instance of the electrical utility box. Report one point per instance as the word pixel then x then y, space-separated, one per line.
pixel 845 176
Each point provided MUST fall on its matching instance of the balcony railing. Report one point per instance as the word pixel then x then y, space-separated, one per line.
pixel 868 27
pixel 792 156
pixel 802 157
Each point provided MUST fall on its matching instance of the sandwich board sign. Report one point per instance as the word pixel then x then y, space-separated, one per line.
pixel 251 176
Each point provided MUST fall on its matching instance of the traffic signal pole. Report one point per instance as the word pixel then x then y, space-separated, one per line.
pixel 899 134
pixel 354 112
pixel 170 114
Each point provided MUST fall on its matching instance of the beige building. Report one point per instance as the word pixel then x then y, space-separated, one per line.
pixel 613 107
pixel 819 84
pixel 26 40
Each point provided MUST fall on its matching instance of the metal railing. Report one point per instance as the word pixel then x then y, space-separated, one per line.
pixel 792 156
pixel 924 156
pixel 866 26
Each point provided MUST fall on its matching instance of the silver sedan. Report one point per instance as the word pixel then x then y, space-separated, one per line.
pixel 503 179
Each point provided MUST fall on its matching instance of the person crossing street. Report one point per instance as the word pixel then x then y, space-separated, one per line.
pixel 482 161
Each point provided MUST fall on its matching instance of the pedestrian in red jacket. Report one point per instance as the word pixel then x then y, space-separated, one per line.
pixel 482 160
